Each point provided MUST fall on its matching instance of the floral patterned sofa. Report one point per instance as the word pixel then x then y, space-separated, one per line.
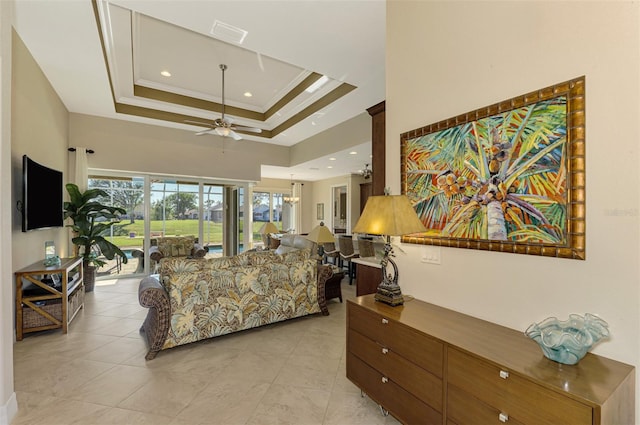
pixel 194 299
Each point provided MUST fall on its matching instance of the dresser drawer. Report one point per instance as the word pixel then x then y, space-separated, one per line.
pixel 464 409
pixel 414 346
pixel 400 403
pixel 523 400
pixel 419 382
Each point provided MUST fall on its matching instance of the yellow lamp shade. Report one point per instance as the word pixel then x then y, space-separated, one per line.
pixel 390 215
pixel 268 227
pixel 320 234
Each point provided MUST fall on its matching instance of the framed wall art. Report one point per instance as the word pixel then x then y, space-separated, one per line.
pixel 320 211
pixel 509 177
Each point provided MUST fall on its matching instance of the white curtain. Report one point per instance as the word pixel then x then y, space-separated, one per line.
pixel 81 173
pixel 297 223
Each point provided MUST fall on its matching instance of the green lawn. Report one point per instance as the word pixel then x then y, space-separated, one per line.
pixel 212 231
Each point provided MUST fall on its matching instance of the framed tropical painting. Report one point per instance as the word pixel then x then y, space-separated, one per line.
pixel 509 177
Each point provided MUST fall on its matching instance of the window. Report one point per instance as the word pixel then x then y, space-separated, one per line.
pixel 175 208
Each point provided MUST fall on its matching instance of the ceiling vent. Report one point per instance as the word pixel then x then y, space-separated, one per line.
pixel 228 32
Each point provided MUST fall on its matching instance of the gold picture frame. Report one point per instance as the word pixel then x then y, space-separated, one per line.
pixel 509 177
pixel 320 211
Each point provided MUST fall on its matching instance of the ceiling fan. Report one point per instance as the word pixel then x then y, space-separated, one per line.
pixel 223 126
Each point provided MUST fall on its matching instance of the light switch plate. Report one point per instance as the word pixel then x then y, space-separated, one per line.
pixel 431 254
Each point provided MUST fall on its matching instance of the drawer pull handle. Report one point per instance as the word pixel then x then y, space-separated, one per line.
pixel 385 379
pixel 385 321
pixel 385 350
pixel 503 417
pixel 504 374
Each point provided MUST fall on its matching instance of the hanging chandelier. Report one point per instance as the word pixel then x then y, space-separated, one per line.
pixel 291 200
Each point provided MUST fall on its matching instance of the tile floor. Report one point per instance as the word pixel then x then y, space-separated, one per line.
pixel 288 373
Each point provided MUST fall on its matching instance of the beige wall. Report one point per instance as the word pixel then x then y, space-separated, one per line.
pixel 129 146
pixel 40 129
pixel 8 401
pixel 448 58
pixel 321 191
pixel 352 132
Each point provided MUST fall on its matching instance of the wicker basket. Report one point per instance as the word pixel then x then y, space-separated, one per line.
pixel 75 301
pixel 31 319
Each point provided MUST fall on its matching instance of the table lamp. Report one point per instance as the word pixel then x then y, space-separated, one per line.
pixel 389 215
pixel 266 229
pixel 320 234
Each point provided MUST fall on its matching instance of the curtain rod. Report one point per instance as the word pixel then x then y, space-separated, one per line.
pixel 74 149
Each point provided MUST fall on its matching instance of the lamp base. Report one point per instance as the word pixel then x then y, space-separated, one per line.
pixel 389 294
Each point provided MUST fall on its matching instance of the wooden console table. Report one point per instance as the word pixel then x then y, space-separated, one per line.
pixel 430 365
pixel 41 306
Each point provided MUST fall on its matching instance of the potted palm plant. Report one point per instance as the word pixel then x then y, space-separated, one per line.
pixel 91 221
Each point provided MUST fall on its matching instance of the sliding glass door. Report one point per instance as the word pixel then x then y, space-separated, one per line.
pixel 128 235
pixel 175 209
pixel 212 218
pixel 170 207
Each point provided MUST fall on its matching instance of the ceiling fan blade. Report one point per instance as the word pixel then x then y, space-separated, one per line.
pixel 248 129
pixel 235 135
pixel 203 132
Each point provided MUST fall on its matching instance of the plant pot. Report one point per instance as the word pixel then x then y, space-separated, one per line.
pixel 89 277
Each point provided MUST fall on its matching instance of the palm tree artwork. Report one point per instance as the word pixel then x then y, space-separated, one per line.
pixel 503 177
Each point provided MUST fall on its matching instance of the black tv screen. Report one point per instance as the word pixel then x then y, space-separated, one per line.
pixel 41 196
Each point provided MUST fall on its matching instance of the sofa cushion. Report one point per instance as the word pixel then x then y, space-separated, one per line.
pixel 292 242
pixel 257 258
pixel 283 249
pixel 295 256
pixel 221 263
pixel 302 242
pixel 287 239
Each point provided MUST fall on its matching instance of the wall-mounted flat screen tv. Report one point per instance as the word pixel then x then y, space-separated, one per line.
pixel 41 196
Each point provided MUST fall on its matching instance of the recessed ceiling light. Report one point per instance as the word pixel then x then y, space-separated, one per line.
pixel 313 123
pixel 329 166
pixel 332 159
pixel 319 83
pixel 165 73
pixel 353 153
pixel 248 94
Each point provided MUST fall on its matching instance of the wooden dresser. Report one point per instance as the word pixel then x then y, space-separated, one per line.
pixel 429 365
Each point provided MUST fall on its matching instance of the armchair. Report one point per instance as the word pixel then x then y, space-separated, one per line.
pixel 176 246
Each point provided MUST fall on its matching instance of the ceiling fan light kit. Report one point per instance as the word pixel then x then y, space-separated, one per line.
pixel 222 126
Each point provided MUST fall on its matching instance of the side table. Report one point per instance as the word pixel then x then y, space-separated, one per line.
pixel 332 288
pixel 50 303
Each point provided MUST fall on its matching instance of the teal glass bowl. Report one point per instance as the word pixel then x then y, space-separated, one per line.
pixel 568 341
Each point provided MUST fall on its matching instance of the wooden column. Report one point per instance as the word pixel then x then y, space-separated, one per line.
pixel 377 147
